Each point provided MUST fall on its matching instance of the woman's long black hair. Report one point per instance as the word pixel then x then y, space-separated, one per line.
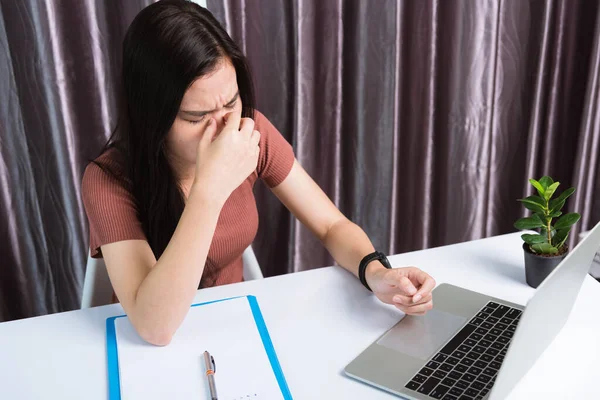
pixel 168 45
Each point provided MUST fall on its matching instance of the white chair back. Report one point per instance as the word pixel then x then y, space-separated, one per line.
pixel 251 266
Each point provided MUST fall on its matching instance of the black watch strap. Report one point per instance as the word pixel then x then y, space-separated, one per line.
pixel 377 255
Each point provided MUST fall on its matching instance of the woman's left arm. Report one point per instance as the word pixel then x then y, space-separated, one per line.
pixel 409 288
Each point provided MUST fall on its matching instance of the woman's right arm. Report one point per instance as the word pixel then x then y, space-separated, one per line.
pixel 157 294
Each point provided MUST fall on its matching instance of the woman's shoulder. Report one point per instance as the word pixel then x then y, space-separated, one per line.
pixel 109 205
pixel 276 157
pixel 111 158
pixel 261 122
pixel 105 173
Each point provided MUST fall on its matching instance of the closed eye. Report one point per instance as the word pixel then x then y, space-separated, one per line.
pixel 202 114
pixel 197 121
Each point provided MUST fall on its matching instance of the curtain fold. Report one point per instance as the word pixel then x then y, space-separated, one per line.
pixel 58 64
pixel 423 120
pixel 587 166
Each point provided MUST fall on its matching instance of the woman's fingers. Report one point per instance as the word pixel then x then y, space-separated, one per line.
pixel 255 138
pixel 247 126
pixel 210 131
pixel 408 301
pixel 419 309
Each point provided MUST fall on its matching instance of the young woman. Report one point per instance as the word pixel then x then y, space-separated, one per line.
pixel 170 202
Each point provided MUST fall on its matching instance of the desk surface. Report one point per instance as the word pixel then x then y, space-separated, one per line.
pixel 62 356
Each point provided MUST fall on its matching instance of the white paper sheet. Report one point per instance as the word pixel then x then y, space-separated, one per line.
pixel 225 329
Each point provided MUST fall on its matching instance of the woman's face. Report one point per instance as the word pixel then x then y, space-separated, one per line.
pixel 211 96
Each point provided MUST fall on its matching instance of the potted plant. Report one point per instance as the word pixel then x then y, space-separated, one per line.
pixel 547 248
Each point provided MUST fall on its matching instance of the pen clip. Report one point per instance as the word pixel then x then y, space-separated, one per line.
pixel 212 360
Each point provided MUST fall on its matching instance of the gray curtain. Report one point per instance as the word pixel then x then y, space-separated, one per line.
pixel 58 64
pixel 420 119
pixel 423 120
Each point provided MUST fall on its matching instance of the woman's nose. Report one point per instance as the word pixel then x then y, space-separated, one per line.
pixel 220 117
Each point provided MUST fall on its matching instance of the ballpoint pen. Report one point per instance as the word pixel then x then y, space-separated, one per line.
pixel 211 368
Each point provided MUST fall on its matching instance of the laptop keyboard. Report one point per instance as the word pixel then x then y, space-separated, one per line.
pixel 466 367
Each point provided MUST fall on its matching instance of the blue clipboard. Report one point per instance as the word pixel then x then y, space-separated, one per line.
pixel 112 353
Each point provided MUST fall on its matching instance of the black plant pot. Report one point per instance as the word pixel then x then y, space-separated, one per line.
pixel 537 268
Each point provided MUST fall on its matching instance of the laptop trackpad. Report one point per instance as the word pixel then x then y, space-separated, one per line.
pixel 420 336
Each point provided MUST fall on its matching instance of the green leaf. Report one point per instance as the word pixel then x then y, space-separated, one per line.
pixel 551 189
pixel 556 214
pixel 541 216
pixel 544 248
pixel 566 221
pixel 544 232
pixel 563 196
pixel 534 203
pixel 533 239
pixel 529 222
pixel 539 187
pixel 561 236
pixel 554 207
pixel 546 181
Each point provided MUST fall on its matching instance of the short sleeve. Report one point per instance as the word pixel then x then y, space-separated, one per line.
pixel 276 157
pixel 110 210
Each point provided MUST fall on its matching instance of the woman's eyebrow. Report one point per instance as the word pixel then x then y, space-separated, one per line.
pixel 202 113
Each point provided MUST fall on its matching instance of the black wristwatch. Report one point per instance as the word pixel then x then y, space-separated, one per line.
pixel 377 255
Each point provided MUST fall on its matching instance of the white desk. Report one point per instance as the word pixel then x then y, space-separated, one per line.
pixel 323 315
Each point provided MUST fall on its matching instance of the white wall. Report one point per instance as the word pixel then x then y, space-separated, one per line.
pixel 200 2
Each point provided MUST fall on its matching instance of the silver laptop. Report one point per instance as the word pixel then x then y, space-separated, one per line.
pixel 473 346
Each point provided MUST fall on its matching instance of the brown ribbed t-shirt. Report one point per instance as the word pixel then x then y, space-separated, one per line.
pixel 112 215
